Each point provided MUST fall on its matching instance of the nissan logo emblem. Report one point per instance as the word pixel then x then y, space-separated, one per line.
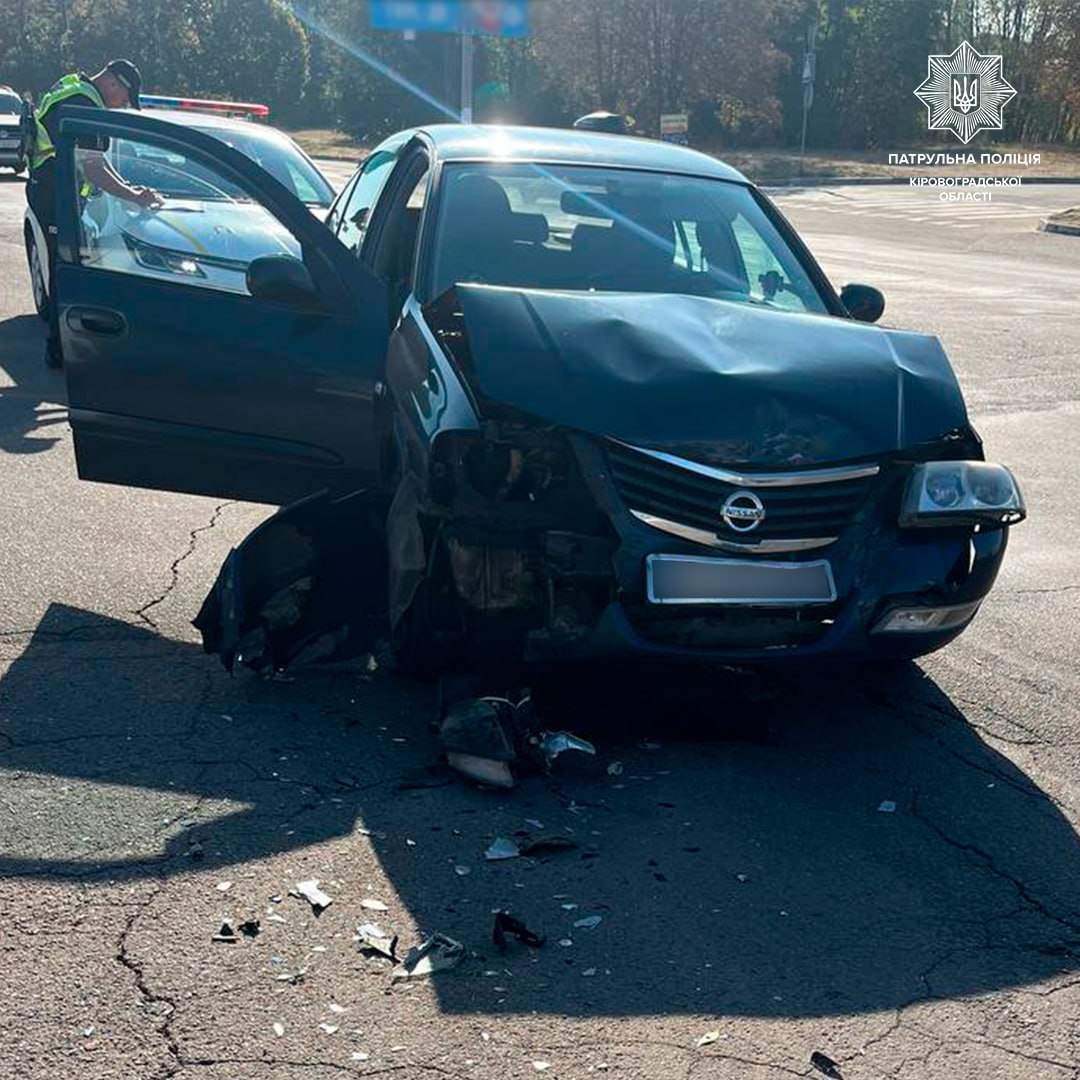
pixel 742 511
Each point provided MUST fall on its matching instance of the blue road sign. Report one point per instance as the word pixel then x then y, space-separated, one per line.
pixel 500 18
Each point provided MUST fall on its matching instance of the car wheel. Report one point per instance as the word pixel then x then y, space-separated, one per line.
pixel 37 277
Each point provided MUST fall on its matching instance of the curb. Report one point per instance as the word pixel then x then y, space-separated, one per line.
pixel 869 181
pixel 1058 227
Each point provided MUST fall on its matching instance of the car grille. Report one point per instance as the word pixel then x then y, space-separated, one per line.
pixel 682 493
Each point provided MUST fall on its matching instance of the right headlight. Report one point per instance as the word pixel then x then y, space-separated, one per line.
pixel 961 493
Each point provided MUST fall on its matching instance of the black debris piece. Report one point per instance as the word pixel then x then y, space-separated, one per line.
pixel 226 935
pixel 249 928
pixel 548 845
pixel 505 923
pixel 825 1065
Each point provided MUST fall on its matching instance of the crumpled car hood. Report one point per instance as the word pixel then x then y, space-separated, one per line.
pixel 714 379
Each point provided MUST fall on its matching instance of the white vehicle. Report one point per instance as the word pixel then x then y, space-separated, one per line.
pixel 171 241
pixel 13 147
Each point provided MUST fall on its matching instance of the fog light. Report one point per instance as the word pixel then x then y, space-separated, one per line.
pixel 921 620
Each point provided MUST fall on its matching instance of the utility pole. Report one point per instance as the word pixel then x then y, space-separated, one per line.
pixel 466 64
pixel 808 73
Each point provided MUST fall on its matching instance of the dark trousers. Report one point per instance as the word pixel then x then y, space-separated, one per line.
pixel 40 194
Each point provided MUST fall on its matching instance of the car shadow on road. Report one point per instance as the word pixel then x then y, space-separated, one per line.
pixel 864 846
pixel 27 405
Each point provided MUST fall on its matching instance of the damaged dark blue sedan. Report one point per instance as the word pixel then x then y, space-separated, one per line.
pixel 535 395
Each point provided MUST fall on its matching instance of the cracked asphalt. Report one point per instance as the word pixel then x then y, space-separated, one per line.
pixel 732 840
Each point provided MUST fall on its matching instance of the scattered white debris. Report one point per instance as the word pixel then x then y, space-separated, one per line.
pixel 358 1055
pixel 330 1029
pixel 615 768
pixel 541 1066
pixel 336 1008
pixel 87 1032
pixel 370 904
pixel 462 871
pixel 887 806
pixel 568 907
pixel 311 892
pixel 708 1037
pixel 533 823
pixel 565 942
pixel 502 848
pixel 742 878
pixel 279 1029
pixel 588 972
pixel 223 886
pixel 590 922
pixel 275 917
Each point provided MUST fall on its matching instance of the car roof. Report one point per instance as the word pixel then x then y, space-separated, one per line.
pixel 570 146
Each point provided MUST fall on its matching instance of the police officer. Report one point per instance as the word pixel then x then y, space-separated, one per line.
pixel 116 86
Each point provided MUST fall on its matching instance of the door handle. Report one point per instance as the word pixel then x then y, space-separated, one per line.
pixel 99 321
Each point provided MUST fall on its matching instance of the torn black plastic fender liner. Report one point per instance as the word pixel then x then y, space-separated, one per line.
pixel 677 370
pixel 309 584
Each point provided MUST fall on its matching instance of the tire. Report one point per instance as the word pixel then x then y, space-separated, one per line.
pixel 37 277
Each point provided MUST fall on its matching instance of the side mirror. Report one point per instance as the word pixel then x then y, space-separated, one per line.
pixel 863 302
pixel 280 279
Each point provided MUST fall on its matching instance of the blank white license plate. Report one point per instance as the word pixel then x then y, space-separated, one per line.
pixel 9 144
pixel 686 579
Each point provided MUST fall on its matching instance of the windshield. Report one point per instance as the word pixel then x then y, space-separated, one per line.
pixel 178 177
pixel 10 103
pixel 585 228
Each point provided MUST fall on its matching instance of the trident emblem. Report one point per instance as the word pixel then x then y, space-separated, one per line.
pixel 965 92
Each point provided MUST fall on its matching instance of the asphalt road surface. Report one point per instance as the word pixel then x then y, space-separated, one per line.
pixel 748 881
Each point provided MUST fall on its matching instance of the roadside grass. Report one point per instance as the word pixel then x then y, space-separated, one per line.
pixel 765 165
pixel 328 143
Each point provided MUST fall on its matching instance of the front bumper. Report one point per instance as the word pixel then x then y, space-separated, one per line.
pixel 877 567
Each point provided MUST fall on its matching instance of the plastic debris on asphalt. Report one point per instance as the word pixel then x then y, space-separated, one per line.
pixel 223 886
pixel 826 1066
pixel 330 1029
pixel 486 738
pixel 554 743
pixel 371 904
pixel 226 934
pixel 374 940
pixel 708 1037
pixel 436 953
pixel 311 892
pixel 502 848
pixel 590 922
pixel 279 1030
pixel 462 871
pixel 541 1066
pixel 505 923
pixel 615 768
pixel 476 741
pixel 249 928
pixel 887 806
